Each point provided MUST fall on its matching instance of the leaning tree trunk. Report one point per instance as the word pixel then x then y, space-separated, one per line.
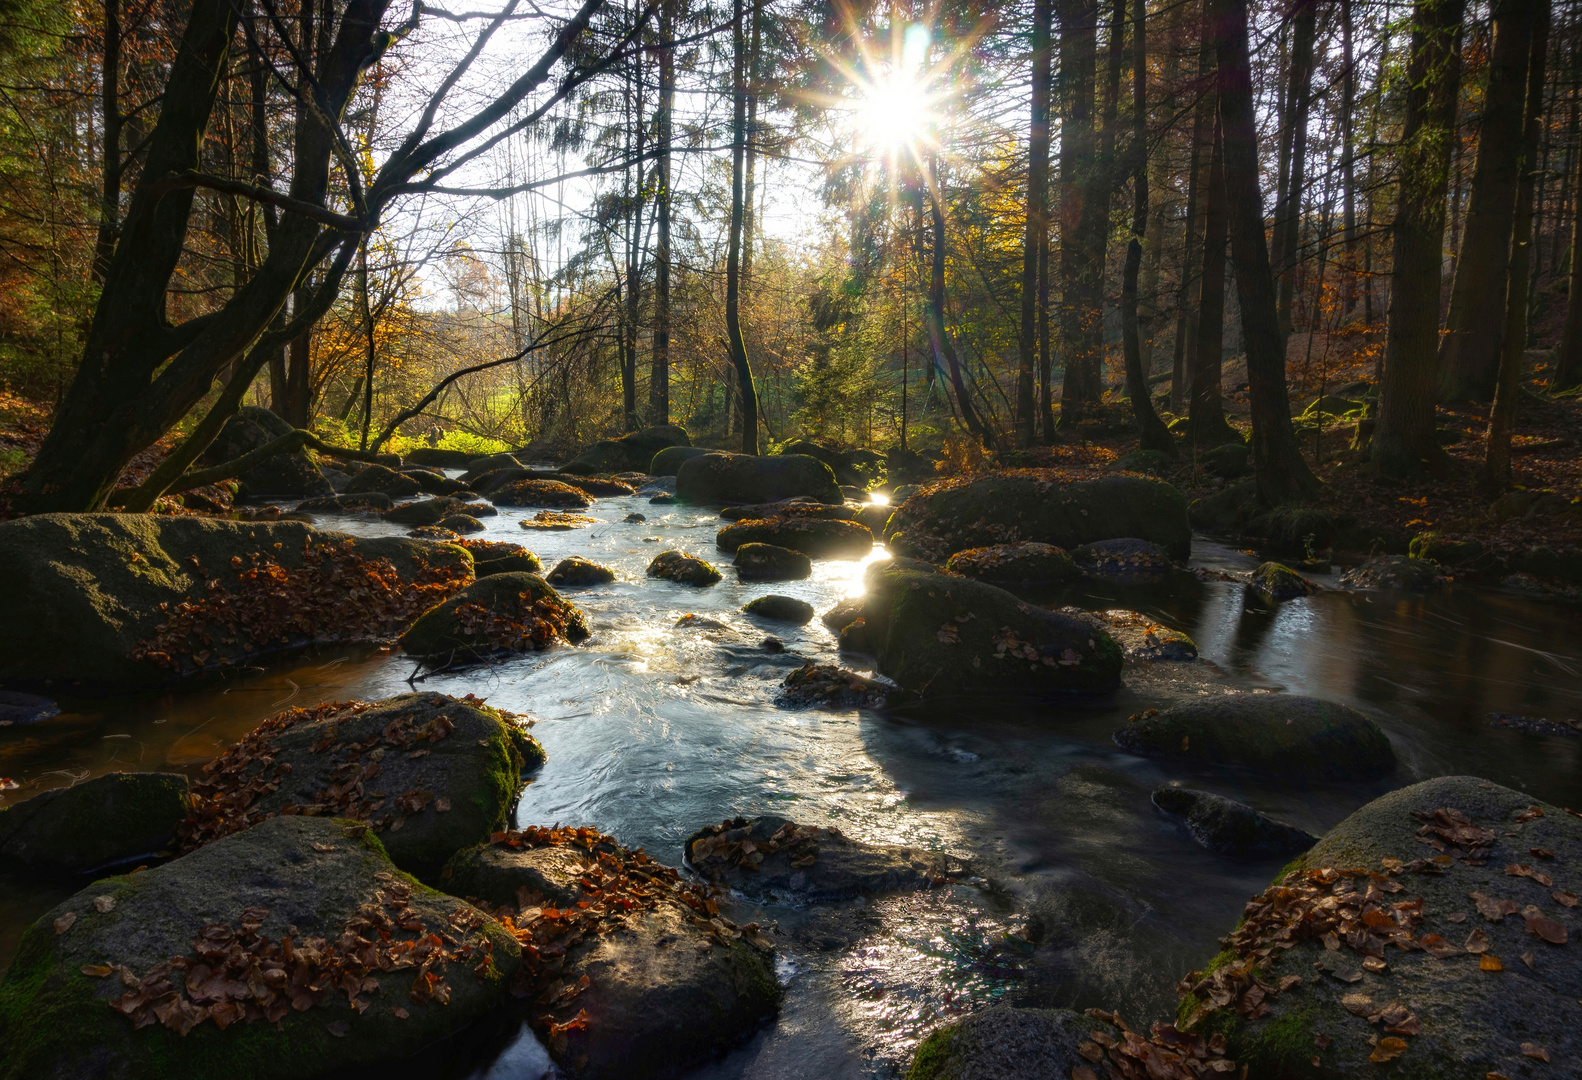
pixel 747 394
pixel 1037 227
pixel 1502 416
pixel 1282 474
pixel 1469 350
pixel 1151 431
pixel 1404 435
pixel 939 338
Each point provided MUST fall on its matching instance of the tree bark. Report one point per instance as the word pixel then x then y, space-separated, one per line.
pixel 733 264
pixel 1568 358
pixel 1469 350
pixel 659 378
pixel 1205 412
pixel 1037 226
pixel 1502 415
pixel 113 122
pixel 1403 437
pixel 1151 431
pixel 1078 160
pixel 1282 474
pixel 634 252
pixel 942 346
pixel 1348 156
pixel 1204 121
pixel 1288 214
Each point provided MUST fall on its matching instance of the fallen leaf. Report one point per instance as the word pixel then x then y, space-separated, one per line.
pixel 1548 929
pixel 1389 1049
pixel 1533 1050
pixel 103 904
pixel 1458 917
pixel 1082 1072
pixel 1565 897
pixel 400 1013
pixel 96 971
pixel 1374 964
pixel 1529 959
pixel 1357 1004
pixel 1490 962
pixel 1541 853
pixel 338 1028
pixel 1477 941
pixel 442 804
pixel 1321 1040
pixel 63 923
pixel 317 846
pixel 1091 1050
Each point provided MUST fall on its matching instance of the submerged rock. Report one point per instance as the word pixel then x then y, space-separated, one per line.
pixel 1450 963
pixel 770 562
pixel 1005 1043
pixel 1393 572
pixel 1228 827
pixel 827 686
pixel 576 571
pixel 495 615
pixel 556 521
pixel 682 568
pixel 776 860
pixel 19 708
pixel 781 609
pixel 742 478
pixel 1139 637
pixel 1288 736
pixel 1278 582
pixel 107 821
pixel 546 493
pixel 285 951
pixel 816 538
pixel 1029 563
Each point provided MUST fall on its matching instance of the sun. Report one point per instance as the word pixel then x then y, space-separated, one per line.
pixel 893 111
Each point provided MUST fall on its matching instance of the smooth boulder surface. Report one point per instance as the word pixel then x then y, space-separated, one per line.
pixel 1392 572
pixel 1124 561
pixel 630 453
pixel 776 860
pixel 1005 1043
pixel 225 911
pixel 438 458
pixel 668 460
pixel 88 594
pixel 1025 564
pixel 576 571
pixel 951 638
pixel 770 562
pixel 545 493
pixel 1037 504
pixel 290 475
pixel 383 479
pixel 491 557
pixel 801 506
pixel 816 538
pixel 1228 827
pixel 422 512
pixel 1278 582
pixel 1140 637
pixel 109 820
pixel 855 468
pixel 1450 964
pixel 844 613
pixel 682 568
pixel 742 478
pixel 462 523
pixel 1296 738
pixel 781 609
pixel 495 615
pixel 346 504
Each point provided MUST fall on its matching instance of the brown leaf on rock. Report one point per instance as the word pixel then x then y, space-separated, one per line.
pixel 1477 941
pixel 1565 897
pixel 1389 1049
pixel 1533 1050
pixel 1545 928
pixel 338 1028
pixel 63 923
pixel 1490 962
pixel 1082 1072
pixel 96 971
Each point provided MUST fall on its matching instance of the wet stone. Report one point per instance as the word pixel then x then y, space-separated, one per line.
pixel 770 562
pixel 781 609
pixel 1227 827
pixel 103 822
pixel 1139 637
pixel 576 571
pixel 682 568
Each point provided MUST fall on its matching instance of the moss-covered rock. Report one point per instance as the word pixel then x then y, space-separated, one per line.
pixel 1295 738
pixel 1125 560
pixel 142 599
pixel 346 504
pixel 1041 505
pixel 844 613
pixel 816 538
pixel 422 512
pixel 292 475
pixel 781 609
pixel 1151 462
pixel 1473 1017
pixel 1029 563
pixel 1446 550
pixel 1141 638
pixel 683 569
pixel 742 478
pixel 770 562
pixel 1226 511
pixel 950 638
pixel 107 821
pixel 495 615
pixel 462 524
pixel 309 880
pixel 544 493
pixel 383 479
pixel 1005 1043
pixel 1393 572
pixel 631 452
pixel 498 557
pixel 854 468
pixel 439 458
pixel 668 460
pixel 576 571
pixel 1228 827
pixel 1231 461
pixel 1277 582
pixel 801 506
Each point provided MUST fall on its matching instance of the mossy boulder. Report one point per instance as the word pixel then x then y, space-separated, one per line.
pixel 310 880
pixel 1231 461
pixel 1292 737
pixel 107 821
pixel 1228 827
pixel 949 638
pixel 781 609
pixel 1500 1009
pixel 801 506
pixel 630 453
pixel 1041 505
pixel 463 524
pixel 743 478
pixel 541 493
pixel 770 562
pixel 1393 572
pixel 491 557
pixel 576 571
pixel 494 616
pixel 1028 563
pixel 1151 462
pixel 440 458
pixel 1141 638
pixel 422 512
pixel 816 538
pixel 854 468
pixel 668 460
pixel 292 475
pixel 1124 560
pixel 346 504
pixel 94 598
pixel 1446 550
pixel 683 569
pixel 1226 511
pixel 1278 582
pixel 844 613
pixel 433 482
pixel 384 479
pixel 1005 1043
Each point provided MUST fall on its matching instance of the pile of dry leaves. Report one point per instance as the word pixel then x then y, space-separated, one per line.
pixel 236 975
pixel 1166 1054
pixel 541 493
pixel 489 549
pixel 335 595
pixel 556 521
pixel 731 843
pixel 534 625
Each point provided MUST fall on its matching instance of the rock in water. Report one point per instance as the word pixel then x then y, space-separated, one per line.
pixel 497 557
pixel 1288 736
pixel 1228 827
pixel 1040 504
pixel 548 493
pixel 281 476
pixel 396 965
pixel 575 571
pixel 423 512
pixel 801 506
pixel 631 973
pixel 668 460
pixel 142 599
pixel 495 615
pixel 1125 561
pixel 1004 1043
pixel 631 452
pixel 769 562
pixel 109 820
pixel 461 523
pixel 781 609
pixel 776 860
pixel 950 638
pixel 829 687
pixel 1010 565
pixel 1139 637
pixel 346 504
pixel 1448 963
pixel 682 568
pixel 1392 572
pixel 19 708
pixel 437 458
pixel 814 537
pixel 447 774
pixel 383 479
pixel 1277 582
pixel 742 478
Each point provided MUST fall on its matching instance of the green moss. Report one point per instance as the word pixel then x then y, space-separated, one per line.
pixel 936 1056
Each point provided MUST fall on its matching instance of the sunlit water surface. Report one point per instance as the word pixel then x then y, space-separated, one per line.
pixel 1081 894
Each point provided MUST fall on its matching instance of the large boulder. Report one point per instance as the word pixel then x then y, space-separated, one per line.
pixel 1004 1043
pixel 814 537
pixel 857 468
pixel 1277 582
pixel 781 609
pixel 632 972
pixel 547 493
pixel 439 458
pixel 1227 511
pixel 1288 736
pixel 1028 564
pixel 107 821
pixel 1457 961
pixel 366 501
pixel 742 478
pixel 448 772
pixel 668 460
pixel 291 949
pixel 290 475
pixel 1393 572
pixel 949 638
pixel 491 557
pixel 141 599
pixel 494 616
pixel 1228 827
pixel 683 569
pixel 1039 504
pixel 800 506
pixel 1140 637
pixel 422 512
pixel 630 453
pixel 383 479
pixel 1124 561
pixel 576 571
pixel 770 562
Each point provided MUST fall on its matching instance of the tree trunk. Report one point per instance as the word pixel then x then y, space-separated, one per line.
pixel 1205 412
pixel 1282 474
pixel 1404 435
pixel 1469 350
pixel 1502 416
pixel 1348 156
pixel 1151 431
pixel 1204 121
pixel 1288 214
pixel 634 251
pixel 733 259
pixel 299 380
pixel 1568 359
pixel 113 121
pixel 1037 227
pixel 659 378
pixel 369 350
pixel 943 348
pixel 1078 153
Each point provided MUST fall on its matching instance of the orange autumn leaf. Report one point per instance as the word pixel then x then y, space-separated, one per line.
pixel 1389 1049
pixel 1490 962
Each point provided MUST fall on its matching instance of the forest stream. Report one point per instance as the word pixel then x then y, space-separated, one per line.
pixel 1075 891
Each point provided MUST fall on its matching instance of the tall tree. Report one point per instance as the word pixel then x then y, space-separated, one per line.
pixel 659 377
pixel 1204 121
pixel 1151 431
pixel 1293 149
pixel 1037 230
pixel 1205 409
pixel 1081 296
pixel 747 394
pixel 1403 437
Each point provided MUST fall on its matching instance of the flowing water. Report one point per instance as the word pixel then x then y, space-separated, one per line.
pixel 1081 893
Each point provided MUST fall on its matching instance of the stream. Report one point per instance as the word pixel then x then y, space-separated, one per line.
pixel 1081 893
